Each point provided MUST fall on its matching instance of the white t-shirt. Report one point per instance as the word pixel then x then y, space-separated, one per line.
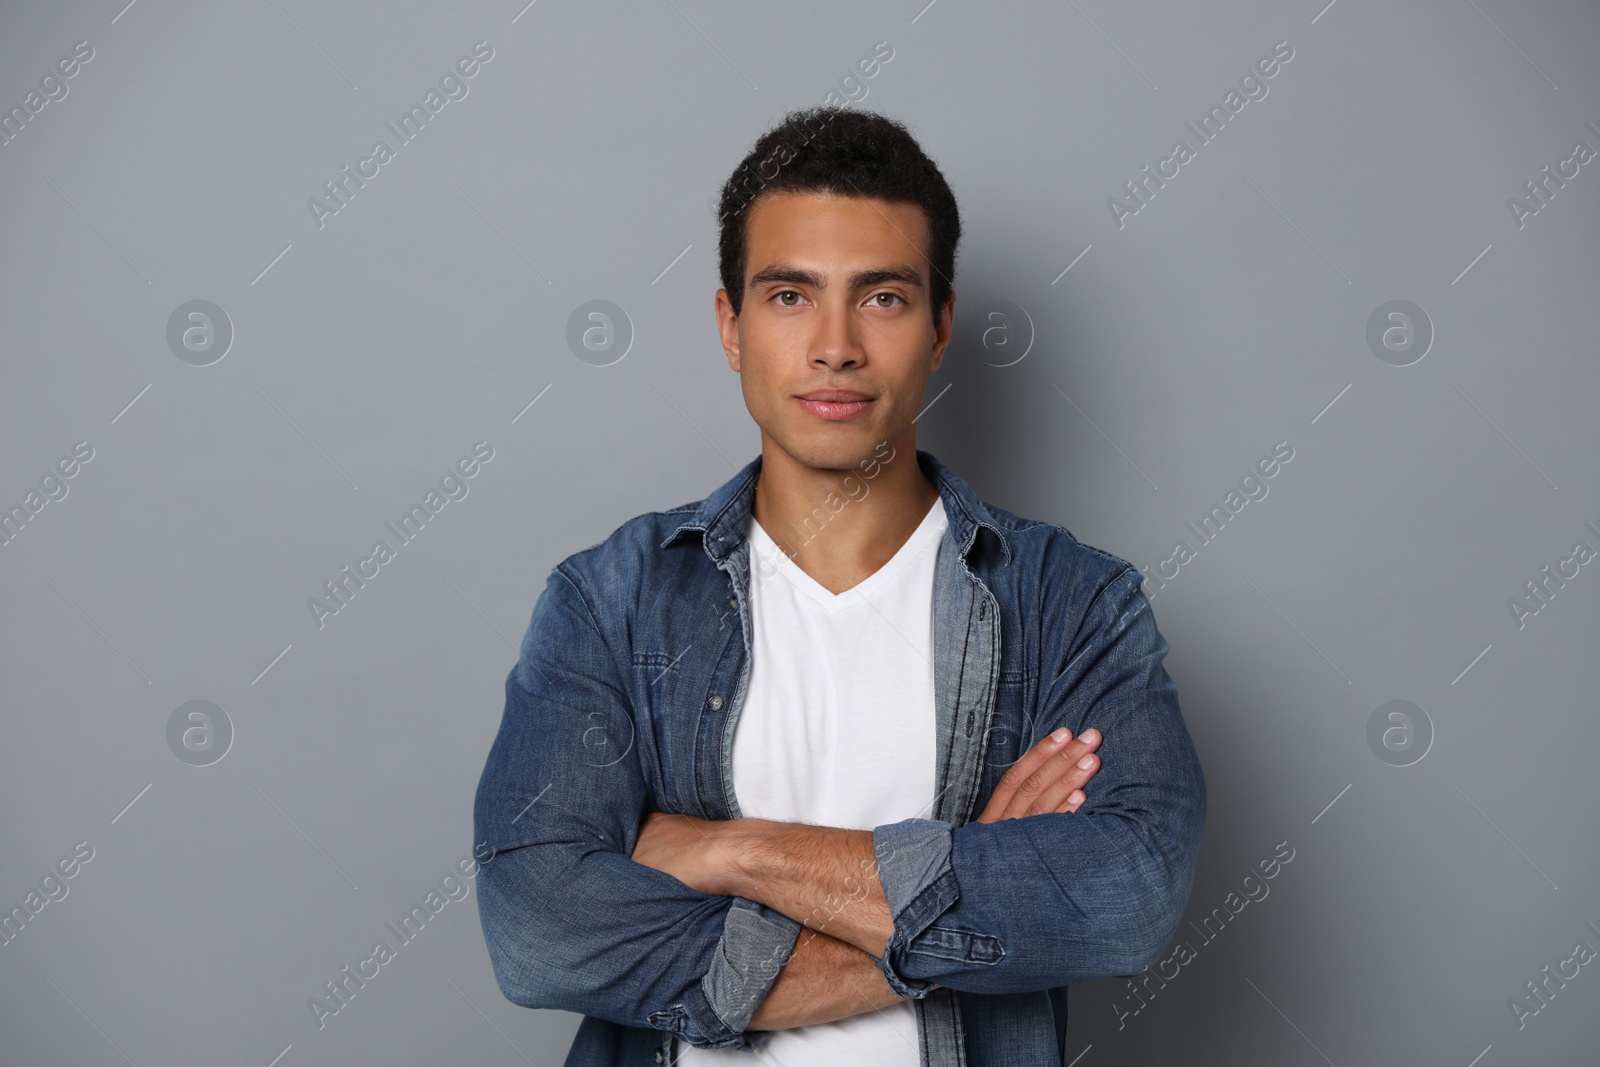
pixel 837 729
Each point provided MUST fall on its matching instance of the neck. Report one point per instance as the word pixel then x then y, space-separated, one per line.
pixel 839 525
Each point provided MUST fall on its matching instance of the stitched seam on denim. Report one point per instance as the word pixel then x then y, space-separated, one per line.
pixel 925 1038
pixel 916 916
pixel 975 782
pixel 701 786
pixel 958 945
pixel 1102 553
pixel 929 904
pixel 715 1031
pixel 959 1029
pixel 955 718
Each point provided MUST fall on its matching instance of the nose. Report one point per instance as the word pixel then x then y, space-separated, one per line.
pixel 834 345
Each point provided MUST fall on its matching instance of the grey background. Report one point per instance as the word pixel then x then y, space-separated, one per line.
pixel 1229 314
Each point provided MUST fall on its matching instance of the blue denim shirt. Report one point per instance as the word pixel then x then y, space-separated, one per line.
pixel 624 700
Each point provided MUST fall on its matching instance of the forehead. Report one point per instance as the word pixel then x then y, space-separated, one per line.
pixel 822 228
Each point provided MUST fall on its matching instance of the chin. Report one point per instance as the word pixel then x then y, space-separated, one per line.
pixel 842 452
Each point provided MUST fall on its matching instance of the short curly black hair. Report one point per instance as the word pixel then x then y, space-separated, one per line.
pixel 847 152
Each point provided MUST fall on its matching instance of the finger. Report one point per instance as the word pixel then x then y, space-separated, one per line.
pixel 1041 790
pixel 1021 771
pixel 1041 772
pixel 1071 803
pixel 1073 780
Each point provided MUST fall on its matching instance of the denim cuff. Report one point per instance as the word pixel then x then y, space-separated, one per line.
pixel 756 942
pixel 919 883
pixel 693 1022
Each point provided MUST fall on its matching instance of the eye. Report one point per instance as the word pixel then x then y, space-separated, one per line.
pixel 783 293
pixel 893 296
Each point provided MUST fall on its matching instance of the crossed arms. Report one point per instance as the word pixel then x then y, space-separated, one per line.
pixel 826 878
pixel 702 936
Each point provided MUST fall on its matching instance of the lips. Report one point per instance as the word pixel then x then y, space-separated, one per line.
pixel 838 395
pixel 835 403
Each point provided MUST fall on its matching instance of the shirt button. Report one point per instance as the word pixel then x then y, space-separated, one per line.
pixel 733 602
pixel 715 703
pixel 659 1057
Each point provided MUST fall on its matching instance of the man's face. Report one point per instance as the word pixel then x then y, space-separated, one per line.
pixel 836 298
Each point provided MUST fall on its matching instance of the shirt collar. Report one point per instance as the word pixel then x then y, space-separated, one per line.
pixel 723 518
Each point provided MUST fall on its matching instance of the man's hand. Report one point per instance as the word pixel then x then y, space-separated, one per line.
pixel 692 850
pixel 1048 778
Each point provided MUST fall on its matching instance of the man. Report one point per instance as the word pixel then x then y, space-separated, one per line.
pixel 840 695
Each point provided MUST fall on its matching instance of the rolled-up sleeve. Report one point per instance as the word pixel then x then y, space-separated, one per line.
pixel 919 883
pixel 570 920
pixel 1035 903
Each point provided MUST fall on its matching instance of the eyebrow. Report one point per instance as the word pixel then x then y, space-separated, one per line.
pixel 861 279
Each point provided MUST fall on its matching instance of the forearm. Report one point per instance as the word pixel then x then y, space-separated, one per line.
pixel 825 979
pixel 824 877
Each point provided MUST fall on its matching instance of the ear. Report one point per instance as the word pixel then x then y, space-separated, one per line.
pixel 942 331
pixel 728 328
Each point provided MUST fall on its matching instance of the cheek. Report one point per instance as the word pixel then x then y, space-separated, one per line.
pixel 759 388
pixel 754 365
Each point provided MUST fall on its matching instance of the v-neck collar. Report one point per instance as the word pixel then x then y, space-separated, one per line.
pixel 765 552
